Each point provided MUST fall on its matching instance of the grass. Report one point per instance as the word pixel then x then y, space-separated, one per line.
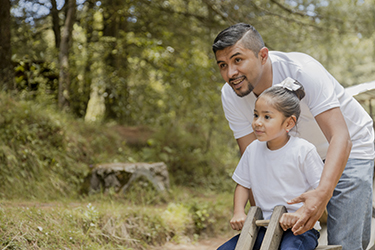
pixel 104 222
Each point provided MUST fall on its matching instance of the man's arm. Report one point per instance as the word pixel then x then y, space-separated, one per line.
pixel 243 142
pixel 333 126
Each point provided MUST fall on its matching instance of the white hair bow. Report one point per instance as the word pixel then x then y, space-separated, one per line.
pixel 289 83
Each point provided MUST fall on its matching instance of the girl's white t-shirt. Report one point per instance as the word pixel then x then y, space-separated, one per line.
pixel 323 92
pixel 276 176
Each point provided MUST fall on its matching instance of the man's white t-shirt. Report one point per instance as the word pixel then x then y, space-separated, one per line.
pixel 276 176
pixel 323 92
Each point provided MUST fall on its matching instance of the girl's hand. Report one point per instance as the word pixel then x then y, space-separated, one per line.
pixel 237 221
pixel 288 220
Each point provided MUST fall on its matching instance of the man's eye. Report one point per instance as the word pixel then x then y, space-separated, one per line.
pixel 222 65
pixel 238 59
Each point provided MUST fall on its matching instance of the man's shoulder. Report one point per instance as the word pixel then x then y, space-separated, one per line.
pixel 227 93
pixel 226 88
pixel 290 57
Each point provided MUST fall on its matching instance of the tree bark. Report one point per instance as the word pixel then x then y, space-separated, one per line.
pixel 55 23
pixel 6 68
pixel 118 90
pixel 64 78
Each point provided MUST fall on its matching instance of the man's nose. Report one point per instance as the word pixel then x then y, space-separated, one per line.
pixel 232 71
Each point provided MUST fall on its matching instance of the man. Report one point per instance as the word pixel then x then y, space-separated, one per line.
pixel 331 119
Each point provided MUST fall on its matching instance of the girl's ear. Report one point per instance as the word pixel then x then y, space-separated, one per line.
pixel 290 122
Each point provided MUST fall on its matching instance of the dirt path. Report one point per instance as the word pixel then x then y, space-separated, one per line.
pixel 207 244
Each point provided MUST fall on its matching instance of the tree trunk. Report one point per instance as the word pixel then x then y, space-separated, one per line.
pixel 64 79
pixel 117 64
pixel 55 23
pixel 6 68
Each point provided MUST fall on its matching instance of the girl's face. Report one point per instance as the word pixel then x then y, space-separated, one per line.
pixel 271 125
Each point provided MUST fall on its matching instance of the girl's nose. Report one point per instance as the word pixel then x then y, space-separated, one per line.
pixel 257 123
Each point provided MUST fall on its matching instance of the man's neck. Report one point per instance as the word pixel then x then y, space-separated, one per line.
pixel 266 79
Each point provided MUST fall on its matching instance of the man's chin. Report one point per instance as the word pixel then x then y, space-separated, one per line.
pixel 242 93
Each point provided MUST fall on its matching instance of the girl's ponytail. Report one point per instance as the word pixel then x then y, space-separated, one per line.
pixel 286 96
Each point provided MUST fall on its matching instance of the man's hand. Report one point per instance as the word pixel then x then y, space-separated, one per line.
pixel 315 202
pixel 288 220
pixel 237 221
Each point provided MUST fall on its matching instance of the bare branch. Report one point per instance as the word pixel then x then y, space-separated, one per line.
pixel 303 14
pixel 311 24
pixel 289 10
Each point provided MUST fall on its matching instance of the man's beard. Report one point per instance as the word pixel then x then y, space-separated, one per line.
pixel 248 91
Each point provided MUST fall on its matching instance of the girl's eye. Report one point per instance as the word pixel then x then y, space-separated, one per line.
pixel 255 116
pixel 267 117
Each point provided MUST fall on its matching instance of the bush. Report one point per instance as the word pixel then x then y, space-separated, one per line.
pixel 45 154
pixel 190 163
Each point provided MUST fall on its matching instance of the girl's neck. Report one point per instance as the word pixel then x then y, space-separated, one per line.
pixel 279 142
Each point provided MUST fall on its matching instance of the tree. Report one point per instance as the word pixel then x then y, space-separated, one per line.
pixel 66 38
pixel 56 23
pixel 6 66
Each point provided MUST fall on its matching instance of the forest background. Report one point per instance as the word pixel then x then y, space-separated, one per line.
pixel 76 76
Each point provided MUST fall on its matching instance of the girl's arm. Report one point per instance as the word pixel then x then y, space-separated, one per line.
pixel 241 196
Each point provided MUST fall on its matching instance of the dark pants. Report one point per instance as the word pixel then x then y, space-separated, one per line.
pixel 289 241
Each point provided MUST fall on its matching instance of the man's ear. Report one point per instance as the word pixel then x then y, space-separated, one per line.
pixel 263 54
pixel 290 122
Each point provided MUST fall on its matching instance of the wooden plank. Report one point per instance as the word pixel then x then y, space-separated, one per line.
pixel 262 223
pixel 274 231
pixel 249 231
pixel 330 247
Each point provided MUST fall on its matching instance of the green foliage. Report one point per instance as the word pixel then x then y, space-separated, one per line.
pixel 47 154
pixel 143 192
pixel 178 219
pixel 152 63
pixel 201 216
pixel 190 159
pixel 42 155
pixel 36 80
pixel 35 153
pixel 110 225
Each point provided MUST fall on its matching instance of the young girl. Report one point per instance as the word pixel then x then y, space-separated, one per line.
pixel 276 167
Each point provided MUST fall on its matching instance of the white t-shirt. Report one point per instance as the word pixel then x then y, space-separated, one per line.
pixel 323 92
pixel 276 176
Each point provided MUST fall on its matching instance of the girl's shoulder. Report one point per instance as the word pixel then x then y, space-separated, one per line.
pixel 256 145
pixel 300 143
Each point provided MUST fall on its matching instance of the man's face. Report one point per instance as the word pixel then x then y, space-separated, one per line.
pixel 240 68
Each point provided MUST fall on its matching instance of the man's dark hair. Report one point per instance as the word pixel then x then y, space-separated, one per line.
pixel 248 35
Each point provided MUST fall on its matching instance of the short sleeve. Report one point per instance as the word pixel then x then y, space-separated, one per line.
pixel 313 167
pixel 319 87
pixel 238 111
pixel 242 173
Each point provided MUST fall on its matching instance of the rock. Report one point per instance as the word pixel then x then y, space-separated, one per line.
pixel 119 176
